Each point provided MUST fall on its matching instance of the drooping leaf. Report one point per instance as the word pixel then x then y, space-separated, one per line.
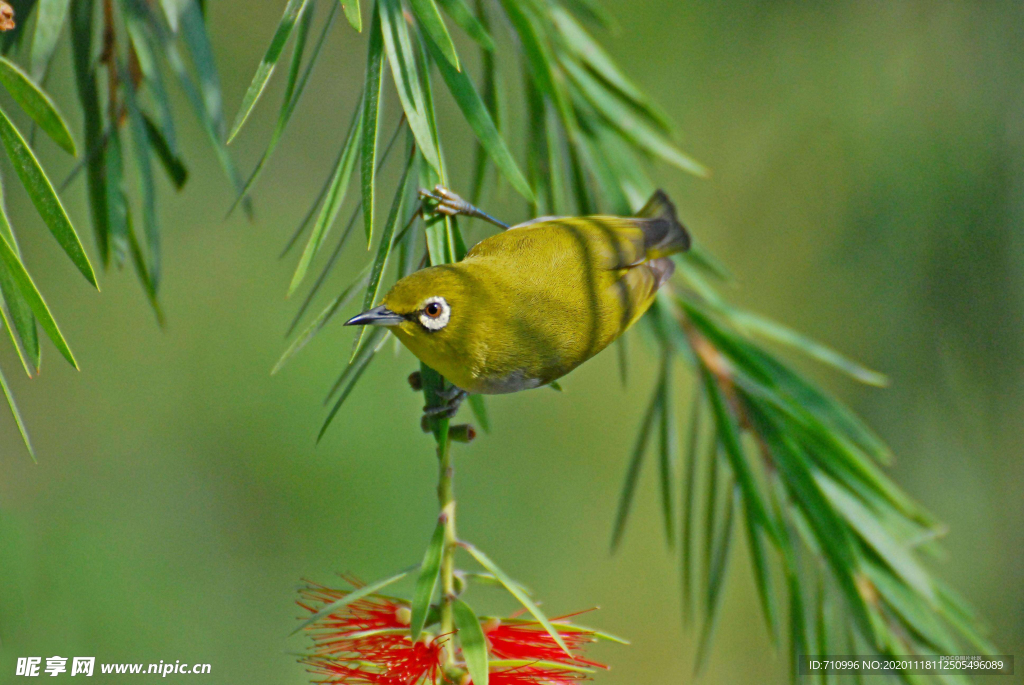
pixel 36 104
pixel 779 333
pixel 633 473
pixel 402 58
pixel 21 317
pixel 626 121
pixel 433 25
pixel 171 163
pixel 716 580
pixel 762 577
pixel 352 13
pixel 371 121
pixel 460 13
pixel 35 301
pixel 668 452
pixel 384 248
pixel 343 298
pixel 144 166
pixel 350 376
pixel 479 407
pixel 472 640
pixel 468 100
pixel 289 18
pixel 332 201
pixel 516 591
pixel 116 201
pixel 353 596
pixel 49 19
pixel 43 196
pixel 293 91
pixel 95 142
pixel 594 56
pixel 689 504
pixel 17 415
pixel 729 436
pixel 426 582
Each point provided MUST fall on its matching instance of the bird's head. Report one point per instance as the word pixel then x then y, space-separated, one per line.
pixel 429 311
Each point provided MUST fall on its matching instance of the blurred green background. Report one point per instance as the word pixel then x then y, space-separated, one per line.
pixel 867 188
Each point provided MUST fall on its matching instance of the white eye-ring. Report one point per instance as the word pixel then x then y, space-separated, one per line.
pixel 434 313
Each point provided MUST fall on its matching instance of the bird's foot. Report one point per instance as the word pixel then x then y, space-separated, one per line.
pixel 443 201
pixel 446 202
pixel 452 401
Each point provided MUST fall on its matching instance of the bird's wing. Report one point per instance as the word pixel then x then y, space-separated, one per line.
pixel 607 242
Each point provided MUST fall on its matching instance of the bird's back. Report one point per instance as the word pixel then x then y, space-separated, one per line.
pixel 560 290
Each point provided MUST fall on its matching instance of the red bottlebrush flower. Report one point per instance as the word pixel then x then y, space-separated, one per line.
pixel 535 675
pixel 529 641
pixel 367 642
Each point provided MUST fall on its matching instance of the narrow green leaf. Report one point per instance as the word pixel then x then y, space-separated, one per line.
pixel 43 196
pixel 468 100
pixel 633 473
pixel 144 167
pixel 459 11
pixel 353 596
pixel 516 591
pixel 343 298
pixel 492 93
pixel 433 25
pixel 24 322
pixel 668 451
pixel 171 163
pixel 899 557
pixel 115 199
pixel 350 376
pixel 152 77
pixel 762 578
pixel 472 640
pixel 689 504
pixel 728 434
pixel 193 30
pixel 402 58
pixel 49 19
pixel 332 202
pixel 293 91
pixel 141 270
pixel 352 13
pixel 384 247
pixel 371 120
pixel 36 104
pixel 779 333
pixel 17 415
pixel 5 322
pixel 716 580
pixel 259 81
pixel 426 582
pixel 88 96
pixel 35 301
pixel 206 99
pixel 479 407
pixel 918 615
pixel 626 122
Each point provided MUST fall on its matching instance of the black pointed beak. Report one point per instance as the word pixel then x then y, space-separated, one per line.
pixel 378 316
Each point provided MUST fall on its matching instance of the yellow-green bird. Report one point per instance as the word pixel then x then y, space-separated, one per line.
pixel 530 304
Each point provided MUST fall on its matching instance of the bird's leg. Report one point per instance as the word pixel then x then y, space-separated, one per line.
pixel 448 203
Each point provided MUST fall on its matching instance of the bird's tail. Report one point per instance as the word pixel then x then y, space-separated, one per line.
pixel 663 234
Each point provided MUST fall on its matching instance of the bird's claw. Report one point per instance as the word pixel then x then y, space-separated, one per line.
pixel 452 401
pixel 446 202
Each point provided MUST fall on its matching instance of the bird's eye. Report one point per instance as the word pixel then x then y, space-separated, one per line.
pixel 435 313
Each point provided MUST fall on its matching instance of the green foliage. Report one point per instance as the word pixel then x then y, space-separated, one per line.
pixel 796 469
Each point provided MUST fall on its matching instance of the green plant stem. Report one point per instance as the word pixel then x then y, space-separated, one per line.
pixel 446 501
